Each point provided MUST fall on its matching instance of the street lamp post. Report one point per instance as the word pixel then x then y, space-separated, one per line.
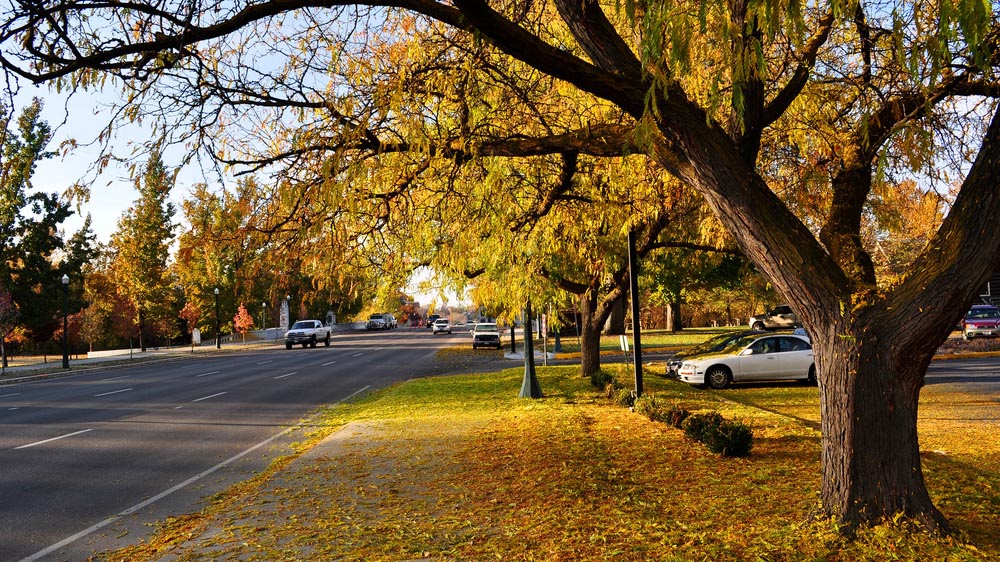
pixel 263 316
pixel 288 305
pixel 218 337
pixel 65 342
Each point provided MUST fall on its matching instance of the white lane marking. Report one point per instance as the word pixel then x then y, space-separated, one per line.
pixel 112 392
pixel 115 378
pixel 208 373
pixel 98 526
pixel 207 397
pixel 285 375
pixel 6 395
pixel 12 409
pixel 53 439
pixel 266 362
pixel 357 355
pixel 328 363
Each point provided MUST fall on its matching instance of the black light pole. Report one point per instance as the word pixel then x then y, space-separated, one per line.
pixel 288 302
pixel 263 316
pixel 65 284
pixel 218 336
pixel 633 273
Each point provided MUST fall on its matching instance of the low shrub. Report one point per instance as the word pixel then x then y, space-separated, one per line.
pixel 723 437
pixel 657 409
pixel 624 397
pixel 601 379
pixel 698 426
pixel 611 389
pixel 675 416
pixel 731 439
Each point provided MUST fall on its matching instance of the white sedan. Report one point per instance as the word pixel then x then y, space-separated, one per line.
pixel 441 325
pixel 752 358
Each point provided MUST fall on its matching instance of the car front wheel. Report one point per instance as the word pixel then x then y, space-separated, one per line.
pixel 758 326
pixel 288 345
pixel 717 378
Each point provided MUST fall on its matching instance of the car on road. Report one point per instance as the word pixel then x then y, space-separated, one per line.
pixel 390 321
pixel 381 321
pixel 753 357
pixel 982 320
pixel 308 333
pixel 441 325
pixel 777 318
pixel 431 318
pixel 486 334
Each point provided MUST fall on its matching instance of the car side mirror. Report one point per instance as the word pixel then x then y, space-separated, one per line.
pixel 747 351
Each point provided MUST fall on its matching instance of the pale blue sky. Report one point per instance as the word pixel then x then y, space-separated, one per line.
pixel 112 192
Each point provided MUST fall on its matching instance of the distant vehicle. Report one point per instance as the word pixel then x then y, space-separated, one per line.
pixel 431 318
pixel 982 320
pixel 777 318
pixel 441 325
pixel 377 322
pixel 390 321
pixel 308 333
pixel 486 334
pixel 710 345
pixel 753 357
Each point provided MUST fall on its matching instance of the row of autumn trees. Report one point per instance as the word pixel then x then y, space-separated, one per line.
pixel 512 145
pixel 134 291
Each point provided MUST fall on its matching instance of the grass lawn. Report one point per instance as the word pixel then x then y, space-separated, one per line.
pixel 459 468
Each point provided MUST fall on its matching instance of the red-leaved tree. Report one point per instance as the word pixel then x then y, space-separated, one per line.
pixel 243 322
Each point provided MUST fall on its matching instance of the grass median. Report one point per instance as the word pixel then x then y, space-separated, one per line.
pixel 459 468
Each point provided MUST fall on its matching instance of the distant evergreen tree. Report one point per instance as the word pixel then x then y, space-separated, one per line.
pixel 141 249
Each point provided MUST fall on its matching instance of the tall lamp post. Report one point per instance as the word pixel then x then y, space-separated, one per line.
pixel 288 302
pixel 65 284
pixel 218 337
pixel 263 316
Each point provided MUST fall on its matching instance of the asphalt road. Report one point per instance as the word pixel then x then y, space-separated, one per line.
pixel 87 462
pixel 980 374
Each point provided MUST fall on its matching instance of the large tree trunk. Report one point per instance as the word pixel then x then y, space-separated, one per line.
pixel 871 454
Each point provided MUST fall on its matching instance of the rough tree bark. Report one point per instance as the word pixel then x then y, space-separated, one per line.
pixel 615 326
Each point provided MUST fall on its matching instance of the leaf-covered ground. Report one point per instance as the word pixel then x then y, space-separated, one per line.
pixel 459 468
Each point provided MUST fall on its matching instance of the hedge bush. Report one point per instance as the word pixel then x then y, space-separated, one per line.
pixel 723 437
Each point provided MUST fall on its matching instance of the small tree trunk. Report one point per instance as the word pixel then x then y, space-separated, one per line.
pixel 590 336
pixel 142 329
pixel 674 317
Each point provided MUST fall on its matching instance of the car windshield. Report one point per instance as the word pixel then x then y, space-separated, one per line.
pixel 983 313
pixel 713 344
pixel 441 321
pixel 737 344
pixel 375 317
pixel 487 328
pixel 302 325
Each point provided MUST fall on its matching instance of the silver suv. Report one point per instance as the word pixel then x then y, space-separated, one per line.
pixel 777 318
